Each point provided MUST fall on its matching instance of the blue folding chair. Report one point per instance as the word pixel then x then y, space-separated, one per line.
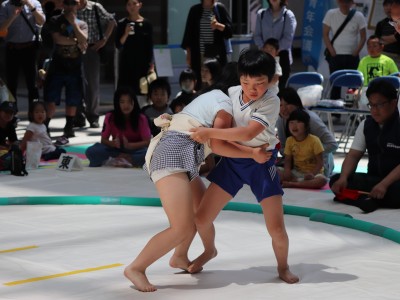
pixel 394 80
pixel 299 79
pixel 334 76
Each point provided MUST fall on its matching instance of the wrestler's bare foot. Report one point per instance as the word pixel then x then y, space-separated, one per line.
pixel 200 261
pixel 287 276
pixel 179 262
pixel 139 279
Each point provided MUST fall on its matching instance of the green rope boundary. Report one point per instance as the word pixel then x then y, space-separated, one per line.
pixel 316 215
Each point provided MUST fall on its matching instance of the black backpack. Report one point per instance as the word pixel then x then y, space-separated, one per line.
pixel 17 162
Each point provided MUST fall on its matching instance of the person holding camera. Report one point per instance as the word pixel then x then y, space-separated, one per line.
pixel 94 14
pixel 134 39
pixel 21 19
pixel 70 43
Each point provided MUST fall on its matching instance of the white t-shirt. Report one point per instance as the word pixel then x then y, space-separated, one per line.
pixel 347 40
pixel 40 135
pixel 359 142
pixel 264 110
pixel 278 71
pixel 205 107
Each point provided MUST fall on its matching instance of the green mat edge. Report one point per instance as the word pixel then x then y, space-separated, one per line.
pixel 316 215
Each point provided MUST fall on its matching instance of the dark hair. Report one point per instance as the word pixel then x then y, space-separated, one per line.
pixel 179 101
pixel 387 2
pixel 228 78
pixel 272 42
pixel 282 3
pixel 187 74
pixel 299 115
pixel 373 37
pixel 382 87
pixel 255 62
pixel 32 108
pixel 118 117
pixel 290 96
pixel 214 66
pixel 159 83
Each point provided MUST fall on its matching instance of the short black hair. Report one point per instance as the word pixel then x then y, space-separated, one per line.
pixel 302 116
pixel 159 83
pixel 214 66
pixel 255 62
pixel 282 3
pixel 382 87
pixel 290 96
pixel 187 74
pixel 272 42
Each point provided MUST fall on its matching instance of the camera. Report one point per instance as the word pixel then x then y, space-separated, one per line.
pixel 16 2
pixel 132 25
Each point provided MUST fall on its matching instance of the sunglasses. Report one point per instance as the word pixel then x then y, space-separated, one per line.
pixel 70 3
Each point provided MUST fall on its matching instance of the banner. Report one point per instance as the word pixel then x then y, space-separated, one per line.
pixel 314 12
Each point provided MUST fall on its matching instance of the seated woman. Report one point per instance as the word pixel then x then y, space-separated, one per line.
pixel 290 101
pixel 129 131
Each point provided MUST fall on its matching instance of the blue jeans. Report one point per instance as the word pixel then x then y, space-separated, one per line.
pixel 99 153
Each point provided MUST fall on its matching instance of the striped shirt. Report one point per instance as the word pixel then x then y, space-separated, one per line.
pixel 206 32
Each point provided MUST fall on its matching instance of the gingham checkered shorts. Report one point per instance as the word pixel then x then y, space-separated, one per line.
pixel 176 152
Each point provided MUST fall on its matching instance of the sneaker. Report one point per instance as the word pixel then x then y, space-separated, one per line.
pixel 69 132
pixel 367 204
pixel 61 141
pixel 94 124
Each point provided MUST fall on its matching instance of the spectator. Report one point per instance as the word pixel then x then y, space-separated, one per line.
pixel 22 40
pixel 280 23
pixel 8 135
pixel 205 35
pixel 159 93
pixel 70 39
pixel 303 155
pixel 128 129
pixel 210 71
pixel 37 132
pixel 344 52
pixel 386 32
pixel 94 14
pixel 290 101
pixel 379 136
pixel 187 82
pixel 376 64
pixel 134 39
pixel 271 46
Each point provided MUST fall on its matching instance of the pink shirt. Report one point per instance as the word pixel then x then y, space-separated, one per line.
pixel 142 133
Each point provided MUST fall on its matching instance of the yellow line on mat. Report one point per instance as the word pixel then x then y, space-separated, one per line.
pixel 18 249
pixel 61 274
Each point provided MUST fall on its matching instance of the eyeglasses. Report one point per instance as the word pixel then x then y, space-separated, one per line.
pixel 377 105
pixel 395 23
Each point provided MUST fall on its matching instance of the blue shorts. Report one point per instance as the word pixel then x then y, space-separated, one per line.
pixel 231 174
pixel 73 89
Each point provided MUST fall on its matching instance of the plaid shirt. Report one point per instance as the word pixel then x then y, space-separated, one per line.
pixel 88 14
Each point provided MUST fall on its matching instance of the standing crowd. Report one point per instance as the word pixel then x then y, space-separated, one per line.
pixel 234 116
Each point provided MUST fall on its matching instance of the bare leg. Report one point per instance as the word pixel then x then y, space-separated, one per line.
pixel 175 195
pixel 180 257
pixel 273 214
pixel 212 203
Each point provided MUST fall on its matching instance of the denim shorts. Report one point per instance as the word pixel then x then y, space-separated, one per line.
pixel 73 89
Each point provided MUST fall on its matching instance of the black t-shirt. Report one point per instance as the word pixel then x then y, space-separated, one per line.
pixel 65 59
pixel 8 134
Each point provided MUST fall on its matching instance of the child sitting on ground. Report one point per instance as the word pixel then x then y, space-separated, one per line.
pixel 37 132
pixel 159 93
pixel 271 46
pixel 304 163
pixel 8 135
